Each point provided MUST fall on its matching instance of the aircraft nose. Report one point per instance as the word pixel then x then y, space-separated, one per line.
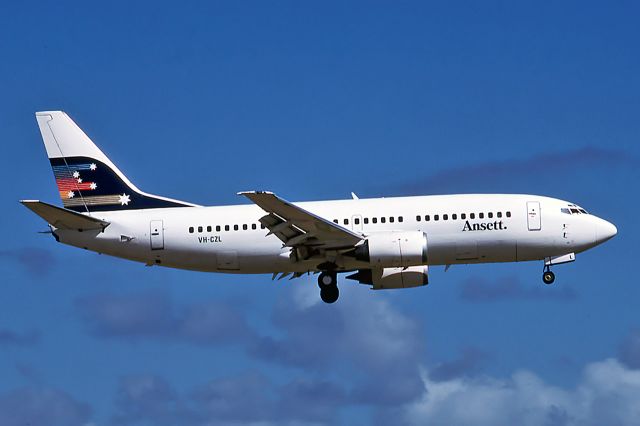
pixel 605 231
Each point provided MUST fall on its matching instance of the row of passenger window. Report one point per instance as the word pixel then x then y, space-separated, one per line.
pixel 463 216
pixel 219 228
pixel 427 218
pixel 356 220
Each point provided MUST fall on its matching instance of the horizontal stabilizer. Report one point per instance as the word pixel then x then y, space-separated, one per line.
pixel 63 218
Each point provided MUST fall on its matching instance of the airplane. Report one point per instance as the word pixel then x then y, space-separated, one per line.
pixel 386 243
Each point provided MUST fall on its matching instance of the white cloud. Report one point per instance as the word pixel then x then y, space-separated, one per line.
pixel 608 393
pixel 306 294
pixel 373 326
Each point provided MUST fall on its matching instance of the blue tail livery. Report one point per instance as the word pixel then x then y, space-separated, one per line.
pixel 87 180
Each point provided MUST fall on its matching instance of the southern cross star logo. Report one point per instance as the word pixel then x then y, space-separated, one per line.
pixel 124 200
pixel 93 166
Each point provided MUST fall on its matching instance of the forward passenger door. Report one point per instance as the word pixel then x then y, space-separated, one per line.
pixel 534 221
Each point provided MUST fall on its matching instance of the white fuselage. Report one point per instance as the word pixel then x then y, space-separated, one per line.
pixel 460 229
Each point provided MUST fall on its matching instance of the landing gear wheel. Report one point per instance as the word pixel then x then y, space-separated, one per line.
pixel 327 279
pixel 548 277
pixel 328 283
pixel 329 294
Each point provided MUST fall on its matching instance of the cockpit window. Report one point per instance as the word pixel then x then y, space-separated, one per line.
pixel 573 209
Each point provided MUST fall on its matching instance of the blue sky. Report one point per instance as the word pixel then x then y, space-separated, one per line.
pixel 200 100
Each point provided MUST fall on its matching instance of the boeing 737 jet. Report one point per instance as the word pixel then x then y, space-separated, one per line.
pixel 386 243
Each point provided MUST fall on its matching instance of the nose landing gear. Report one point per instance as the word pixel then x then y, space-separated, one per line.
pixel 548 277
pixel 328 283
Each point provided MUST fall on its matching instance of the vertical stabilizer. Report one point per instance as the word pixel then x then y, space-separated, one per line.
pixel 87 180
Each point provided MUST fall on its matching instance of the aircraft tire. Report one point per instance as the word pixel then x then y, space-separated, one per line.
pixel 327 279
pixel 329 294
pixel 548 277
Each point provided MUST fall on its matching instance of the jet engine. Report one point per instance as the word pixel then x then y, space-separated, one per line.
pixel 393 249
pixel 387 278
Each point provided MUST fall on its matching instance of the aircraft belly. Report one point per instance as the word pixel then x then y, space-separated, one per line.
pixel 453 249
pixel 503 250
pixel 538 247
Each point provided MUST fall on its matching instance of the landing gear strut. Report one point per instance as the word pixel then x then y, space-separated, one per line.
pixel 328 283
pixel 548 277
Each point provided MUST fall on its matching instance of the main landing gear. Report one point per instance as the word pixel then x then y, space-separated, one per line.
pixel 328 283
pixel 548 277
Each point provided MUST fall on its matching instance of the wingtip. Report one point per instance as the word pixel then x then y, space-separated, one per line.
pixel 245 193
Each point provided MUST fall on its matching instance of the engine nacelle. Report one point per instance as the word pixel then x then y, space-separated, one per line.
pixel 388 278
pixel 393 249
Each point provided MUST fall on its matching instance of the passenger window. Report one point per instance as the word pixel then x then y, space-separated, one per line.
pixel 366 220
pixel 508 214
pixel 346 221
pixel 191 229
pixel 226 227
pixel 490 214
pixel 472 215
pixel 436 217
pixel 356 221
pixel 217 228
pixel 400 219
pixel 335 220
pixel 481 215
pixel 199 228
pixel 427 218
pixel 374 220
pixel 235 227
pixel 244 227
pixel 454 216
pixel 383 219
pixel 418 218
pixel 253 226
pixel 499 214
pixel 209 228
pixel 262 226
pixel 391 219
pixel 463 216
pixel 445 217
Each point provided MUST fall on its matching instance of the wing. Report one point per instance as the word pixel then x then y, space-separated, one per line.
pixel 296 227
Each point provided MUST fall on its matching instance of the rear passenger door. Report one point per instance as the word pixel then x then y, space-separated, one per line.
pixel 156 232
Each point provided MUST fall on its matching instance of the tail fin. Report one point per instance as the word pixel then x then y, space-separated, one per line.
pixel 86 178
